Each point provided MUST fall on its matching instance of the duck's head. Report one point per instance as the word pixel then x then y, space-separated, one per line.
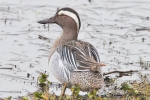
pixel 66 17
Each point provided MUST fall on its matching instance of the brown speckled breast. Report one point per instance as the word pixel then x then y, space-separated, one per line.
pixel 87 80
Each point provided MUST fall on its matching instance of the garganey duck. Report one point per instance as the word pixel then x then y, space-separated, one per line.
pixel 72 61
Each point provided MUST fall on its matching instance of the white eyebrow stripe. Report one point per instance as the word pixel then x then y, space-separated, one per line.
pixel 70 14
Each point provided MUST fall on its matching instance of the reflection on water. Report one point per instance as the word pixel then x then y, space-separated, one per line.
pixel 109 25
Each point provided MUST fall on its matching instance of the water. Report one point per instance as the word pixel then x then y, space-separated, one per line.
pixel 109 25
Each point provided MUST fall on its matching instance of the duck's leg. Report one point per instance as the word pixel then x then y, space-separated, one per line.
pixel 64 89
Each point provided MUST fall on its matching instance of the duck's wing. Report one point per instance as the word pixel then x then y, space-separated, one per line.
pixel 90 50
pixel 82 56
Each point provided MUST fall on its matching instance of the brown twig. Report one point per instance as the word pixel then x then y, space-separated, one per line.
pixel 142 29
pixel 120 72
pixel 6 68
